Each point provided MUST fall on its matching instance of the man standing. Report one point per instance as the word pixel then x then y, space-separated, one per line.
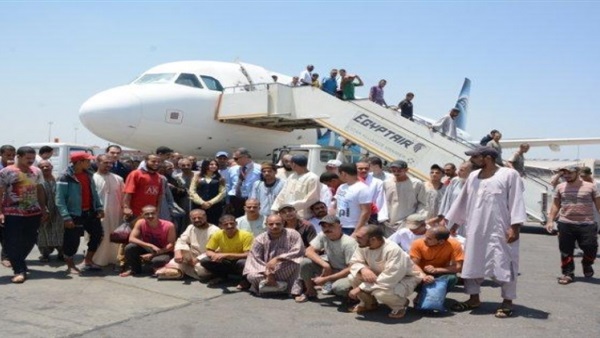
pixel 242 178
pixel 434 191
pixel 226 251
pixel 267 188
pixel 81 209
pixel 338 248
pixel 495 143
pixel 143 187
pixel 380 272
pixel 574 202
pixel 306 76
pixel 152 240
pixel 286 167
pixel 52 230
pixel 114 152
pixel 352 200
pixel 404 196
pixel 274 261
pixel 7 154
pixel 302 188
pixel 406 106
pixel 44 153
pixel 449 173
pixel 347 85
pixel 487 138
pixel 376 168
pixel 329 84
pixel 110 190
pixel 190 248
pixel 447 124
pixel 23 207
pixel 375 190
pixel 252 221
pixel 517 161
pixel 492 205
pixel 376 93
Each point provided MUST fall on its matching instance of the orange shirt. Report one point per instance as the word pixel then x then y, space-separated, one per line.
pixel 438 256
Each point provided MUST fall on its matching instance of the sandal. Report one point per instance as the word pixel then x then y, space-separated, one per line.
pixel 588 271
pixel 397 314
pixel 363 308
pixel 503 312
pixel 303 298
pixel 565 279
pixel 18 279
pixel 463 306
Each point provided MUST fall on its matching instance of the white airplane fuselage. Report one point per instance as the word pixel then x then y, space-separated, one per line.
pixel 155 110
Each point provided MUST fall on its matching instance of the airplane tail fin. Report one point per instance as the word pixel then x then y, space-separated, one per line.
pixel 463 104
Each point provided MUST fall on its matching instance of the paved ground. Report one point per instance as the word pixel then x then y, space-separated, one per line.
pixel 53 304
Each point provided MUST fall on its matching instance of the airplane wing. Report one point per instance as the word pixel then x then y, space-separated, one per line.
pixel 552 143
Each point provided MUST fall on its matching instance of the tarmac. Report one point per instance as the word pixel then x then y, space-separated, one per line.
pixel 53 304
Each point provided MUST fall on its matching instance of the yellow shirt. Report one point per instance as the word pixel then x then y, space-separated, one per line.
pixel 240 243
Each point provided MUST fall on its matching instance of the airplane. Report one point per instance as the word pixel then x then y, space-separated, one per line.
pixel 176 104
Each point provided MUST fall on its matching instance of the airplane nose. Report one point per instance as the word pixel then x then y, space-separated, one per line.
pixel 113 114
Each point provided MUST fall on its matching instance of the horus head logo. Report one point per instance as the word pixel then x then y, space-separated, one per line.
pixel 418 147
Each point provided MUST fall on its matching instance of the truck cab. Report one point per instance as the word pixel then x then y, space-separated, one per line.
pixel 61 155
pixel 317 155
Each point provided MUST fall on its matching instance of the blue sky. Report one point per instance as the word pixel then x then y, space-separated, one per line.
pixel 534 65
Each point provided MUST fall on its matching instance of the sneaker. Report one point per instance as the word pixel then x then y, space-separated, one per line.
pixel 327 288
pixel 263 288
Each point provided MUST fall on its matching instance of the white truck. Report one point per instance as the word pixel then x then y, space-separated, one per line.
pixel 62 151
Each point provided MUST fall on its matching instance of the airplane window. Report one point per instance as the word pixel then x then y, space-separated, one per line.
pixel 212 83
pixel 189 80
pixel 155 78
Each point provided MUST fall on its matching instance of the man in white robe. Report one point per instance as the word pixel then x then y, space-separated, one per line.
pixel 492 205
pixel 110 190
pixel 302 188
pixel 380 272
pixel 404 196
pixel 190 248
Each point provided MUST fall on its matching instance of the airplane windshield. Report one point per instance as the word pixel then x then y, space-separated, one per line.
pixel 155 78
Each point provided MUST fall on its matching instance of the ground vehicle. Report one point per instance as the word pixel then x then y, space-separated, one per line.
pixel 62 152
pixel 317 155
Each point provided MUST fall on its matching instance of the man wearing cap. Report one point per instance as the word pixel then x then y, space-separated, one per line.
pixel 267 188
pixel 274 260
pixel 302 188
pixel 243 177
pixel 404 196
pixel 80 207
pixel 437 255
pixel 517 161
pixel 492 205
pixel 574 202
pixel 22 208
pixel 415 228
pixel 353 200
pixel 338 248
pixel 447 124
pixel 222 158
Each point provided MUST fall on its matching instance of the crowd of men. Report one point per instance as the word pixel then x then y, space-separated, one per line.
pixel 366 234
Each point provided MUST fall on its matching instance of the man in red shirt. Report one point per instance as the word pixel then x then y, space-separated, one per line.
pixel 79 205
pixel 143 187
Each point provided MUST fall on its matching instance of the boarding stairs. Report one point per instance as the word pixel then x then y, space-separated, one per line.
pixel 379 130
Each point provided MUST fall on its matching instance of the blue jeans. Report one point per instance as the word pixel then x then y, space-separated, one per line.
pixel 20 235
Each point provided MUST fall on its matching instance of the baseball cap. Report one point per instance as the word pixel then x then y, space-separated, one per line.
pixel 81 156
pixel 415 221
pixel 570 168
pixel 222 153
pixel 483 151
pixel 333 163
pixel 399 164
pixel 285 205
pixel 329 219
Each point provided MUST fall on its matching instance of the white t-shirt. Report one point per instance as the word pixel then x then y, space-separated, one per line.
pixel 349 198
pixel 404 238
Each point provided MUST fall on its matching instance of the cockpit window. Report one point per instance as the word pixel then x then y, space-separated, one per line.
pixel 212 83
pixel 189 80
pixel 155 78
